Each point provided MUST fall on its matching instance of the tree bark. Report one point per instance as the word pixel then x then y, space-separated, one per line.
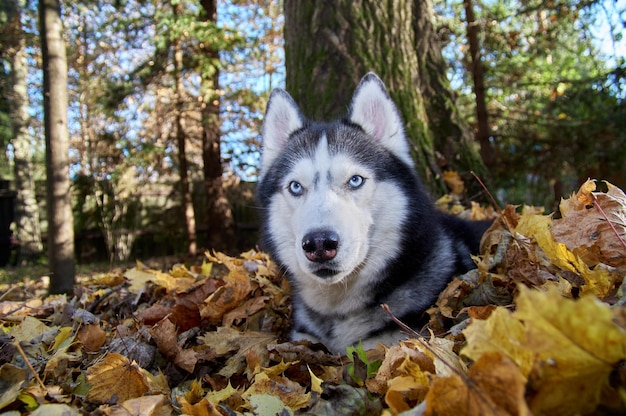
pixel 219 216
pixel 26 208
pixel 60 217
pixel 330 45
pixel 185 188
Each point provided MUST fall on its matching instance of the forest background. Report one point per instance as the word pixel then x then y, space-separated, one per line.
pixel 166 100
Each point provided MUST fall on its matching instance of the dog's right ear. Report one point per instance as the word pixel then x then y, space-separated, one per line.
pixel 282 118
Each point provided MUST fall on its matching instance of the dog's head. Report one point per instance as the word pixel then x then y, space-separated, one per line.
pixel 332 194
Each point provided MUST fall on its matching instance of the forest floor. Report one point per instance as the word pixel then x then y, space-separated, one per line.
pixel 538 326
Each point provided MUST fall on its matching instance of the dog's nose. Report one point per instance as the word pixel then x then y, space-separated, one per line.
pixel 320 245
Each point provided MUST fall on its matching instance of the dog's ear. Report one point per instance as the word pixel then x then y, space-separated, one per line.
pixel 282 117
pixel 373 110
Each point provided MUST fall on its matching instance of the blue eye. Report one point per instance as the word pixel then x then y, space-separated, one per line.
pixel 295 188
pixel 356 181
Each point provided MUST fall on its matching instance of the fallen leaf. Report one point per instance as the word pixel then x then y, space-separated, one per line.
pixel 269 404
pixel 454 181
pixel 29 328
pixel 316 382
pixel 502 333
pixel 12 378
pixel 55 410
pixel 290 393
pixel 584 229
pixel 344 399
pixel 165 336
pixel 226 340
pixel 494 386
pixel 576 345
pixel 202 408
pixel 598 281
pixel 157 405
pixel 237 288
pixel 115 379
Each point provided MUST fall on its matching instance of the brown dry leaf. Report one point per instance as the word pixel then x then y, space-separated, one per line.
pixel 165 335
pixel 247 309
pixel 289 392
pixel 157 405
pixel 598 281
pixel 226 340
pixel 237 288
pixel 584 230
pixel 405 392
pixel 500 379
pixel 92 337
pixel 494 387
pixel 450 396
pixel 202 408
pixel 19 308
pixel 115 379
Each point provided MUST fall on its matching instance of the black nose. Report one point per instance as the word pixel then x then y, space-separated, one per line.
pixel 320 245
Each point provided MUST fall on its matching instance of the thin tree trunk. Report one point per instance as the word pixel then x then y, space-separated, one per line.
pixel 185 188
pixel 218 211
pixel 482 119
pixel 453 137
pixel 60 217
pixel 26 208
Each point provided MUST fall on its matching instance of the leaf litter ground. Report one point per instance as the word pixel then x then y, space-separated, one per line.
pixel 539 327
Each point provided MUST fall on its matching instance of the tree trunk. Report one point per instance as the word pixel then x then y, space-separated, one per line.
pixel 476 68
pixel 329 46
pixel 454 140
pixel 60 218
pixel 185 188
pixel 26 208
pixel 219 216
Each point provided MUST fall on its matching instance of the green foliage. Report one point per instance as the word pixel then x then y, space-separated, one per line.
pixel 361 367
pixel 555 103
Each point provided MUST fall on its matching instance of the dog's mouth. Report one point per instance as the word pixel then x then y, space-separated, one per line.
pixel 325 272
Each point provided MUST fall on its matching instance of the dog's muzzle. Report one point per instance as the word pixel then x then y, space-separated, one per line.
pixel 320 245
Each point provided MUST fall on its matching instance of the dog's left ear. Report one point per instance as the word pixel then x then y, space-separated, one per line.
pixel 376 113
pixel 282 118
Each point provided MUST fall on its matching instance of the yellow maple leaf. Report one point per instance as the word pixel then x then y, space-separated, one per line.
pixel 499 333
pixel 566 349
pixel 216 397
pixel 576 345
pixel 598 281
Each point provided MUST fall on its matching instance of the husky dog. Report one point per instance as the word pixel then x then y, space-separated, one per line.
pixel 347 218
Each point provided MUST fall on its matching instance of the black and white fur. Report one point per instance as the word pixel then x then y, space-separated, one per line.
pixel 347 218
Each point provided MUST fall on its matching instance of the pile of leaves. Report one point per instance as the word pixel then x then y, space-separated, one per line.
pixel 539 327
